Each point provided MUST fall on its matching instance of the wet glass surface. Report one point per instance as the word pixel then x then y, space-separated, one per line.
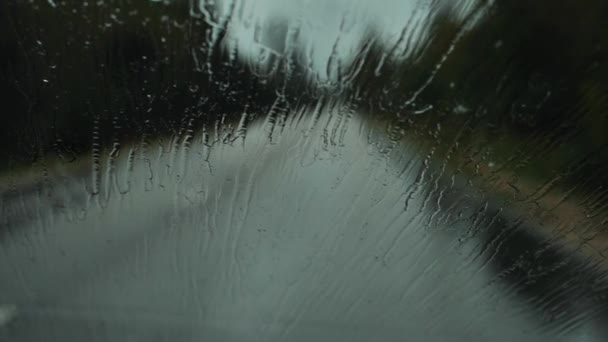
pixel 303 170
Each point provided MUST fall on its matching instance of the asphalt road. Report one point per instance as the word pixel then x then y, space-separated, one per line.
pixel 307 232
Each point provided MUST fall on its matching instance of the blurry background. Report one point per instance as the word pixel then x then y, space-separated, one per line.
pixel 490 111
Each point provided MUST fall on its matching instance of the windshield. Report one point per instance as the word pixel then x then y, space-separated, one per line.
pixel 303 170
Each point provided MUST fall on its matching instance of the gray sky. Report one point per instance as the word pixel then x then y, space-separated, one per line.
pixel 329 30
pixel 326 27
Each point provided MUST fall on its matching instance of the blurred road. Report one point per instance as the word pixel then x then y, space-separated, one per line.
pixel 295 234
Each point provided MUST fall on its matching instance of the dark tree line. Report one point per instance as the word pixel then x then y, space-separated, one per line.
pixel 526 79
pixel 118 70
